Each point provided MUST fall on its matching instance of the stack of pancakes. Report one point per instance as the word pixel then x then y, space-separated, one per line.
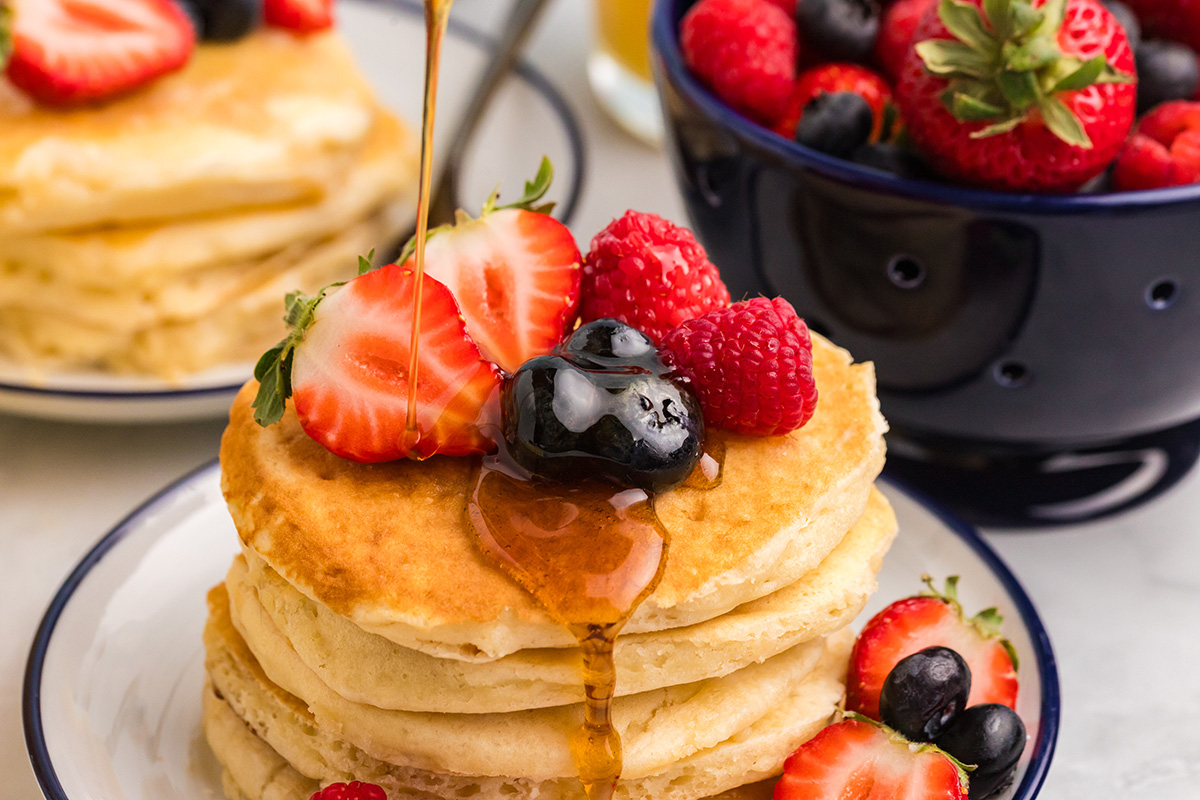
pixel 157 233
pixel 361 635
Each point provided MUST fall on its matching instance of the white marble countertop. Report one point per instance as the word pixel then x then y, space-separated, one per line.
pixel 1121 597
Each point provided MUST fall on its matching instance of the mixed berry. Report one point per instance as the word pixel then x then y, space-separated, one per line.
pixel 929 710
pixel 1011 95
pixel 354 790
pixel 69 53
pixel 606 365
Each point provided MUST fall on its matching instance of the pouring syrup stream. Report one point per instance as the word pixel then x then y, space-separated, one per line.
pixel 437 15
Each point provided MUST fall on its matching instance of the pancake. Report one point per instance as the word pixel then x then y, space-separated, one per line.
pixel 102 267
pixel 310 746
pixel 273 119
pixel 657 728
pixel 234 327
pixel 388 546
pixel 366 668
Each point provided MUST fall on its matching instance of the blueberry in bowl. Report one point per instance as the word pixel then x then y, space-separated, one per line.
pixel 1035 352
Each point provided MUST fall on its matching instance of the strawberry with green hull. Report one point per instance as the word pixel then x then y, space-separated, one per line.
pixel 73 52
pixel 1017 96
pixel 345 367
pixel 515 272
pixel 896 28
pixel 935 618
pixel 857 759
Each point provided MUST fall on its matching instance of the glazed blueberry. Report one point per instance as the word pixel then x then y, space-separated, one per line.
pixel 892 157
pixel 1165 71
pixel 223 20
pixel 991 736
pixel 837 123
pixel 839 30
pixel 1127 20
pixel 611 344
pixel 564 421
pixel 923 693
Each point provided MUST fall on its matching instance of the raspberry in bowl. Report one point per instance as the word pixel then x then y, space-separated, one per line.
pixel 1028 345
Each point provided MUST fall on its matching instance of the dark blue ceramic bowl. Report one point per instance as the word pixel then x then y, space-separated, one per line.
pixel 1006 329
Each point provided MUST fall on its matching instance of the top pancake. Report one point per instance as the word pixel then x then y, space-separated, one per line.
pixel 389 545
pixel 274 118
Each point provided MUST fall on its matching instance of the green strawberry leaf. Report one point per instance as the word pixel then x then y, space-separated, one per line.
pixel 1004 126
pixel 1087 73
pixel 965 23
pixel 966 108
pixel 999 15
pixel 1063 123
pixel 535 190
pixel 1023 18
pixel 274 369
pixel 1020 89
pixel 947 58
pixel 1033 54
pixel 1054 12
pixel 6 44
pixel 366 263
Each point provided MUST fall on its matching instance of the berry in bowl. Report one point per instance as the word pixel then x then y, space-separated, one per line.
pixel 1028 318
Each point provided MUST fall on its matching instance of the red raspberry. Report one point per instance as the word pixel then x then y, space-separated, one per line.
pixel 355 790
pixel 648 273
pixel 745 50
pixel 751 365
pixel 1165 150
pixel 896 29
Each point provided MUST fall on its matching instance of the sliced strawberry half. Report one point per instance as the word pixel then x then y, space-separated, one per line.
pixel 299 16
pixel 67 52
pixel 346 367
pixel 515 274
pixel 936 618
pixel 858 760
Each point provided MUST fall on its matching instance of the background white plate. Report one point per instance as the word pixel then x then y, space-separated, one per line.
pixel 528 119
pixel 112 691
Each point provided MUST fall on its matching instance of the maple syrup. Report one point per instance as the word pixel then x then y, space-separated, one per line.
pixel 437 15
pixel 590 553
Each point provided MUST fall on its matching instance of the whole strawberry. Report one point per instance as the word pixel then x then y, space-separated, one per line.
pixel 1040 99
pixel 745 50
pixel 649 273
pixel 1164 151
pixel 837 77
pixel 750 364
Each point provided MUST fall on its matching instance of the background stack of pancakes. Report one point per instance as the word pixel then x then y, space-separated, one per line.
pixel 362 636
pixel 158 233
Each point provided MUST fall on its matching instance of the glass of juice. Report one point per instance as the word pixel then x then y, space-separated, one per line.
pixel 619 67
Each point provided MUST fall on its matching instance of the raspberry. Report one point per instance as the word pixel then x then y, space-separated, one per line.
pixel 1165 150
pixel 648 273
pixel 745 50
pixel 750 364
pixel 355 790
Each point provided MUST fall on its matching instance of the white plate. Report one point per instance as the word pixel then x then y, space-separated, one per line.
pixel 112 692
pixel 528 119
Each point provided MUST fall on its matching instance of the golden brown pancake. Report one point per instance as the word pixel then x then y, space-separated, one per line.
pixel 389 547
pixel 272 119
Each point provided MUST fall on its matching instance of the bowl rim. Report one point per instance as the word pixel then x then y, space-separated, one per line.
pixel 669 66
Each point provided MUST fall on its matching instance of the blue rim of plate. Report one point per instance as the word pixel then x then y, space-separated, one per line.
pixel 1044 739
pixel 566 212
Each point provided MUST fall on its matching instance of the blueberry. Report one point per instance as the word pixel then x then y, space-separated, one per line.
pixel 991 736
pixel 892 157
pixel 1165 71
pixel 628 425
pixel 837 123
pixel 839 30
pixel 923 693
pixel 223 20
pixel 611 344
pixel 1127 20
